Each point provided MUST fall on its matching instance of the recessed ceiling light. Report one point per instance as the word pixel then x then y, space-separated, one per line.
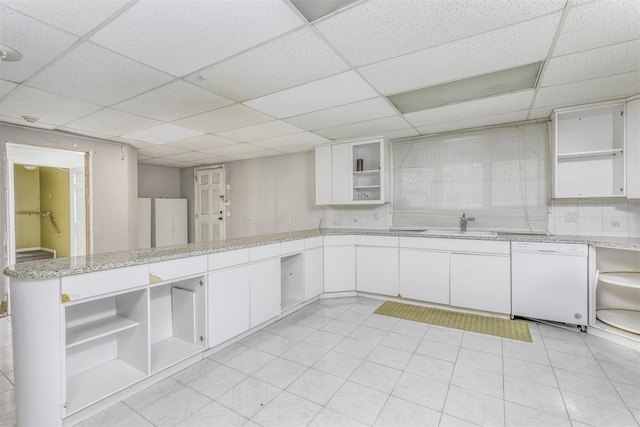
pixel 315 9
pixel 9 54
pixel 30 119
pixel 499 82
pixel 163 134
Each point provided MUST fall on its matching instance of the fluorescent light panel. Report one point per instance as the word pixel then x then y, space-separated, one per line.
pixel 315 9
pixel 163 134
pixel 499 82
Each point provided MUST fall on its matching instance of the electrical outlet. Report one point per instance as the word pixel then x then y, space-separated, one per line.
pixel 289 221
pixel 615 224
pixel 250 220
pixel 571 216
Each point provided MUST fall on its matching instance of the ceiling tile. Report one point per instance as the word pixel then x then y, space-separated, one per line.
pixel 341 89
pixel 159 161
pixel 540 113
pixel 232 150
pixel 368 128
pixel 403 133
pixel 112 123
pixel 294 59
pixel 192 156
pixel 295 149
pixel 516 116
pixel 472 109
pixel 6 87
pixel 369 109
pixel 378 30
pixel 597 24
pixel 84 133
pixel 255 155
pixel 213 160
pixel 17 121
pixel 589 90
pixel 174 101
pixel 94 74
pixel 163 134
pixel 76 16
pixel 132 142
pixel 261 131
pixel 180 39
pixel 203 142
pixel 226 118
pixel 38 43
pixel 304 138
pixel 48 107
pixel 616 59
pixel 160 151
pixel 501 49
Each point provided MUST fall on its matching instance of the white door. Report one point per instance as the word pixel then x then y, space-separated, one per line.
pixel 78 238
pixel 209 204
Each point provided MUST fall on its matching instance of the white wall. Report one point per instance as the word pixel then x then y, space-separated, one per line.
pixel 595 217
pixel 158 181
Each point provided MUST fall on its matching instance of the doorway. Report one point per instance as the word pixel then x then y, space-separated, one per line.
pixel 210 221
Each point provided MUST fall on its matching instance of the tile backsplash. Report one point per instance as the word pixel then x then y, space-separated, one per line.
pixel 370 217
pixel 595 217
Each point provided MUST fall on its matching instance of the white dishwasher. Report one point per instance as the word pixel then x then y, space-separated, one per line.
pixel 549 281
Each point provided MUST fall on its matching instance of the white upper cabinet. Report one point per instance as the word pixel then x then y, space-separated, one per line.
pixel 589 152
pixel 633 149
pixel 355 172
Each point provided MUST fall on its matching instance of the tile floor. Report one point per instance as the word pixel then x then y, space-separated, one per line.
pixel 334 363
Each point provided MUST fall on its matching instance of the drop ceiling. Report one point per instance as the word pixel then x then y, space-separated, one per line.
pixel 252 78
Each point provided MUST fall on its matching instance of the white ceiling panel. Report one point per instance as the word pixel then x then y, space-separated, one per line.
pixel 232 150
pixel 161 151
pixel 203 142
pixel 227 118
pixel 304 138
pixel 341 89
pixel 159 161
pixel 616 59
pixel 472 109
pixel 597 24
pixel 192 156
pixel 501 49
pixel 294 59
pixel 181 37
pixel 511 117
pixel 97 75
pixel 403 133
pixel 38 43
pixel 112 123
pixel 6 87
pixel 84 133
pixel 255 155
pixel 214 160
pixel 261 131
pixel 369 109
pixel 174 101
pixel 132 142
pixel 295 149
pixel 76 16
pixel 540 113
pixel 589 90
pixel 48 107
pixel 162 134
pixel 368 128
pixel 378 30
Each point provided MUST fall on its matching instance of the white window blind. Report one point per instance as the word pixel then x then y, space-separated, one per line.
pixel 498 176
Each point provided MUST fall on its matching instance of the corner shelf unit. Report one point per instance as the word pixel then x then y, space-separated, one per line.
pixel 625 319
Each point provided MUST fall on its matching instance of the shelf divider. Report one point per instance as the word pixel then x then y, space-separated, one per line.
pixel 81 334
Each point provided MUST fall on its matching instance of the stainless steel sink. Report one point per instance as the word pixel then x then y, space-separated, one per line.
pixel 470 233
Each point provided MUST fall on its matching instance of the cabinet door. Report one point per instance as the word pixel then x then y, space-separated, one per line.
pixel 481 282
pixel 424 275
pixel 313 273
pixel 229 304
pixel 162 222
pixel 179 221
pixel 377 270
pixel 633 149
pixel 339 268
pixel 265 291
pixel 341 174
pixel 323 175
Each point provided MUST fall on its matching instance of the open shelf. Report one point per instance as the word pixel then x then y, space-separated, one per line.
pixel 169 351
pixel 94 384
pixel 585 154
pixel 365 186
pixel 627 279
pixel 368 172
pixel 627 320
pixel 83 333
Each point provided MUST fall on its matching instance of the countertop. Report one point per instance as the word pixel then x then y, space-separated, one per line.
pixel 61 267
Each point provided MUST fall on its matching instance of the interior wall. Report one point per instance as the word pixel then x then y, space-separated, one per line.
pixel 267 195
pixel 54 198
pixel 187 191
pixel 158 181
pixel 26 184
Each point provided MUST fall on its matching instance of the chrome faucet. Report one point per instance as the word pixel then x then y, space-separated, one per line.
pixel 463 222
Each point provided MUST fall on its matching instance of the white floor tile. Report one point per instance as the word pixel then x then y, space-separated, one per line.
pixel 379 321
pixel 214 415
pixel 110 416
pixel 391 357
pixel 280 372
pixel 375 376
pixel 576 382
pixel 324 339
pixel 354 347
pixel 399 413
pixel 622 373
pixel 571 362
pixel 478 380
pixel 415 388
pixel 329 418
pixel 523 416
pixel 597 410
pixel 353 317
pixel 338 364
pixel 313 321
pixel 444 335
pixel 484 343
pixel 438 350
pixel 276 344
pixel 449 421
pixel 296 332
pixel 316 386
pixel 536 396
pixel 217 381
pixel 174 407
pixel 480 360
pixel 474 407
pixel 630 394
pixel 401 342
pixel 533 372
pixel 410 328
pixel 339 327
pixel 358 402
pixel 305 354
pixel 428 367
pixel 250 361
pixel 287 410
pixel 227 353
pixel 525 351
pixel 368 334
pixel 5 384
pixel 152 393
pixel 248 397
pixel 195 371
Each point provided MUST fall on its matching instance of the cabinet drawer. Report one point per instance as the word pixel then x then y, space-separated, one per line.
pixel 104 282
pixel 183 267
pixel 263 252
pixel 456 245
pixel 340 240
pixel 313 242
pixel 292 246
pixel 389 241
pixel 228 258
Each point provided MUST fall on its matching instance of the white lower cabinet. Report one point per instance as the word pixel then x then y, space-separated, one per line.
pixel 424 275
pixel 377 270
pixel 265 291
pixel 313 272
pixel 339 264
pixel 229 304
pixel 481 282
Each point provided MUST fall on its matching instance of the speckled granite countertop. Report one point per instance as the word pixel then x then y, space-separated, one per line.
pixel 61 267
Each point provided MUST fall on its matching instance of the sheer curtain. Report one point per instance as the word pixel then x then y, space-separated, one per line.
pixel 498 176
